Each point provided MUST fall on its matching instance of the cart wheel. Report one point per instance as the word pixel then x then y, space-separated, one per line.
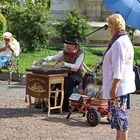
pixel 93 117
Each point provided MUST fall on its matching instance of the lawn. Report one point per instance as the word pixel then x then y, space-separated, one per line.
pixel 26 59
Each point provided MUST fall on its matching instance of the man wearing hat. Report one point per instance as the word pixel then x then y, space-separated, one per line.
pixel 8 49
pixel 72 58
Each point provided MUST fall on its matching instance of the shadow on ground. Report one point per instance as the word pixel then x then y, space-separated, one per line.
pixel 15 77
pixel 73 121
pixel 19 112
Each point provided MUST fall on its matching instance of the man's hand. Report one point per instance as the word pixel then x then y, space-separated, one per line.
pixel 59 65
pixel 38 63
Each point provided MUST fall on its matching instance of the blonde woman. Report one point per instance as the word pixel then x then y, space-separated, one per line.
pixel 118 75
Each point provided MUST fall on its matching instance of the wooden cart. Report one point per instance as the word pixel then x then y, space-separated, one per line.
pixel 93 108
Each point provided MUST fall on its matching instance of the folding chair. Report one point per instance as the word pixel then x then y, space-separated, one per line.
pixel 12 66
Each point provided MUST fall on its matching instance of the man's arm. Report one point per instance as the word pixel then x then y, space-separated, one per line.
pixel 77 64
pixel 56 57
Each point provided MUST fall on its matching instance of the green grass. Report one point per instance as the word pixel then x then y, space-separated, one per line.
pixel 26 59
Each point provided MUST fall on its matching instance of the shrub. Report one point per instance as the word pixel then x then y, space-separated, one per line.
pixel 9 1
pixel 30 25
pixel 74 25
pixel 2 25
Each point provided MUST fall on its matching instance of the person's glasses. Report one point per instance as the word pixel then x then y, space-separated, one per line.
pixel 7 39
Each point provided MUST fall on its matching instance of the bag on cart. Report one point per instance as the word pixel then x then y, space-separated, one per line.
pixel 89 77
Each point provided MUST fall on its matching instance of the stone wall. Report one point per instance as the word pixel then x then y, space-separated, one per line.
pixel 91 9
pixel 59 8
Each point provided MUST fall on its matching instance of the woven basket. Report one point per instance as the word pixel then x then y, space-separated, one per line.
pixel 98 102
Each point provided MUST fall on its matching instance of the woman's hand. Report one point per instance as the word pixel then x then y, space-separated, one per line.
pixel 113 93
pixel 114 89
pixel 8 45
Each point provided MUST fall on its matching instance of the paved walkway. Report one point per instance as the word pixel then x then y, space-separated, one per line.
pixel 16 123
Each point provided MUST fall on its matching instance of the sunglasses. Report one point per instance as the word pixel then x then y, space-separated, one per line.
pixel 7 39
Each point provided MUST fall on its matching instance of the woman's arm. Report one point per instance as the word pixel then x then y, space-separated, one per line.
pixel 3 49
pixel 118 59
pixel 9 46
pixel 114 88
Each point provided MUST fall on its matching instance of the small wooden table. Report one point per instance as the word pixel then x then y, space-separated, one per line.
pixel 44 86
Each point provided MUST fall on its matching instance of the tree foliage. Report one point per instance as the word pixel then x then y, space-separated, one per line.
pixel 74 25
pixel 2 25
pixel 30 24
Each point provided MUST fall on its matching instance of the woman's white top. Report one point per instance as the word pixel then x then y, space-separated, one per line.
pixel 118 64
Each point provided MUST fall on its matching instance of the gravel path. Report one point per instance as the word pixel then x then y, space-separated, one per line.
pixel 16 123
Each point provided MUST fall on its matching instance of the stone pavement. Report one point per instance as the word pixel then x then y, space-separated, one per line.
pixel 16 123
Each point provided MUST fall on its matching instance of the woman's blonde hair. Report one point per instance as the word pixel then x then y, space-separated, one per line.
pixel 117 22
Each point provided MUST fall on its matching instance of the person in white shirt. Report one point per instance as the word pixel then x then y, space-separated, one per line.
pixel 118 75
pixel 73 58
pixel 9 49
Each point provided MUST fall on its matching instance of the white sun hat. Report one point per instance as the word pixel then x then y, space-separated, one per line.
pixel 7 35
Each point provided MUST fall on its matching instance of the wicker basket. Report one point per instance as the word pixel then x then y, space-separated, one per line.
pixel 95 101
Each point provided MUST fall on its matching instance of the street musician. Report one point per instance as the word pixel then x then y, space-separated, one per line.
pixel 72 57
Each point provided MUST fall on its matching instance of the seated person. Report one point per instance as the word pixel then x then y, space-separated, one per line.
pixel 72 58
pixel 8 49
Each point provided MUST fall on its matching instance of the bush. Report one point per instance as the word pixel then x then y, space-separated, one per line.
pixel 74 25
pixel 30 25
pixel 9 1
pixel 2 25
